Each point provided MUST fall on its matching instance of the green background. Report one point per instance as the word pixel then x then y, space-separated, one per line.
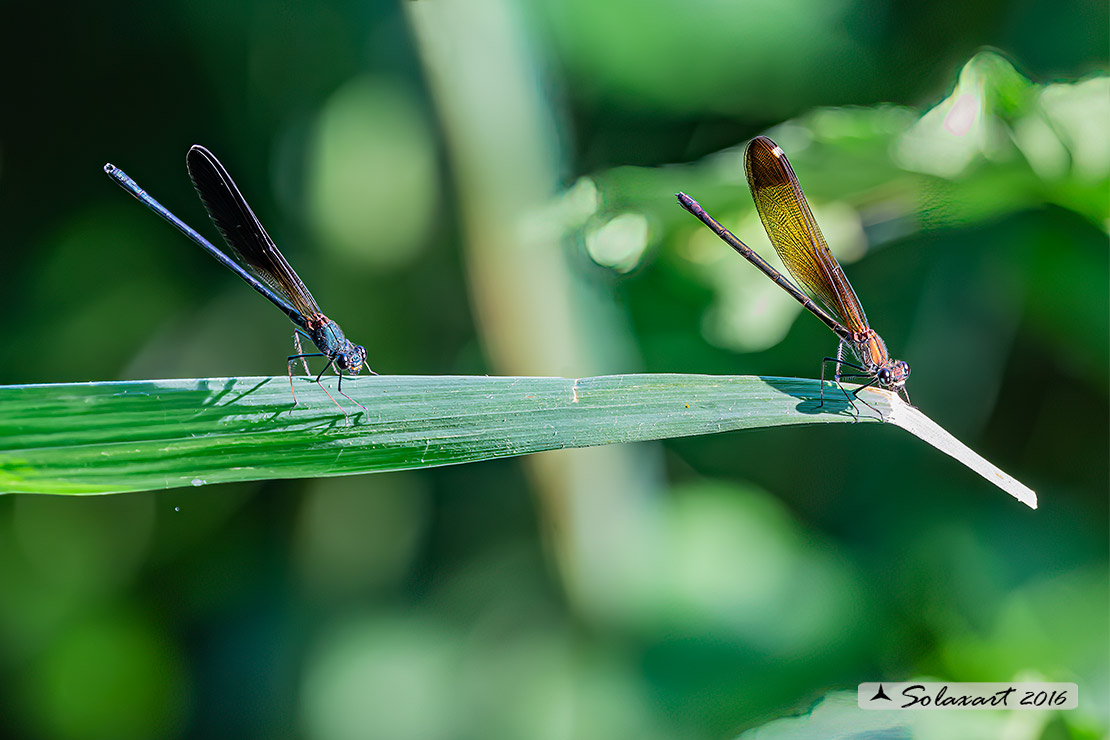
pixel 487 187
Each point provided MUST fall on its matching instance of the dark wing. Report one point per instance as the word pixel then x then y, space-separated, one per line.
pixel 794 233
pixel 243 232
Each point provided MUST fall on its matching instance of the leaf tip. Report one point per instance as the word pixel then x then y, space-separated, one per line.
pixel 913 421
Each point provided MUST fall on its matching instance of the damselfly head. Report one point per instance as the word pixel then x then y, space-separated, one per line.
pixel 352 360
pixel 893 375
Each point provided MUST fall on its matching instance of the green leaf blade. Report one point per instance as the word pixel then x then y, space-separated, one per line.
pixel 89 438
pixel 129 436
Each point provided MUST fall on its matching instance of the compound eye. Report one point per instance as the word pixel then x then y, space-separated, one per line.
pixel 905 368
pixel 884 375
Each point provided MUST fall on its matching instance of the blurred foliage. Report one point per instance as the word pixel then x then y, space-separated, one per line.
pixel 717 584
